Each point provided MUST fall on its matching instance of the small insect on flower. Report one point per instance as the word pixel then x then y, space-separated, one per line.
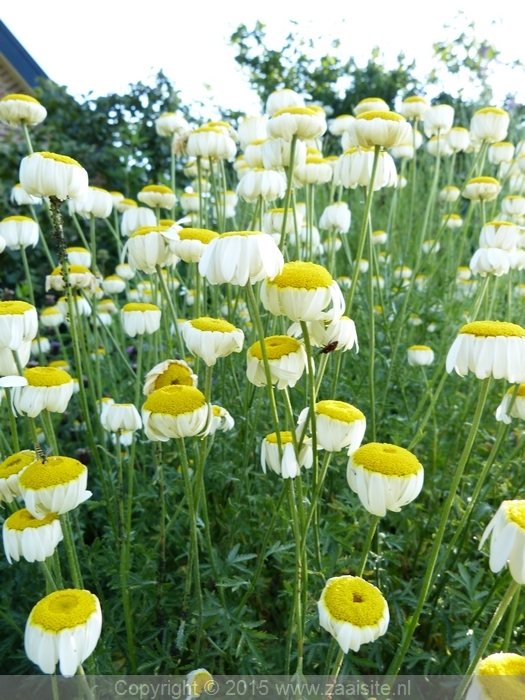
pixel 331 347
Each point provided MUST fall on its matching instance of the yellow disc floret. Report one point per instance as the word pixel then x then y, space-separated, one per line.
pixel 56 471
pixel 139 306
pixel 338 410
pixel 386 459
pixel 381 114
pixel 144 230
pixel 63 610
pixel 203 235
pixel 205 323
pixel 296 110
pixel 286 437
pixel 277 346
pixel 175 400
pixel 57 157
pixel 502 676
pixel 483 180
pixel 243 233
pixel 15 463
pixel 160 189
pixel 23 519
pixel 18 218
pixel 175 375
pixel 46 376
pixel 302 275
pixel 14 308
pixel 351 599
pixel 493 329
pixel 515 512
pixel 492 110
pixel 419 347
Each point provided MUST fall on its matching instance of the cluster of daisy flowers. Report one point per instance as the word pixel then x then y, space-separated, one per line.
pixel 174 279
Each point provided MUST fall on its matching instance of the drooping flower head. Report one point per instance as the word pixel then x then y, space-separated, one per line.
pixel 175 411
pixel 33 539
pixel 21 109
pixel 507 544
pixel 63 627
pixel 47 388
pixel 286 358
pixel 500 675
pixel 489 348
pixel 302 291
pixel 53 175
pixel 10 470
pixel 288 466
pixel 353 611
pixel 211 338
pixel 385 477
pixel 339 425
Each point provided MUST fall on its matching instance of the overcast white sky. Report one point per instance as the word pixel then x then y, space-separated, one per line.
pixel 104 45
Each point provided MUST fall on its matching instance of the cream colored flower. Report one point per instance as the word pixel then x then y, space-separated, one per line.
pixel 31 538
pixel 336 218
pixel 303 122
pixel 370 104
pixel 57 485
pixel 136 217
pixel 489 348
pixel 211 338
pixel 381 128
pixel 47 388
pixel 513 398
pixel 52 175
pixel 241 257
pixel 276 154
pixel 170 123
pixel 252 129
pixel 148 247
pixel 19 232
pixel 169 373
pixel 176 411
pixel 286 358
pixel 20 197
pixel 10 470
pixel 157 196
pixel 482 189
pixel 21 109
pixel 288 466
pixel 414 107
pixel 385 477
pixel 353 611
pixel 420 356
pixel 97 202
pixel 268 184
pixel 499 675
pixel 63 627
pixel 355 167
pixel 438 118
pixel 139 318
pixel 211 142
pixel 507 544
pixel 80 277
pixel 281 99
pixel 338 425
pixel 490 124
pixel 302 291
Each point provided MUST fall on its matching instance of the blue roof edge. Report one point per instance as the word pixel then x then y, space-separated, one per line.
pixel 19 58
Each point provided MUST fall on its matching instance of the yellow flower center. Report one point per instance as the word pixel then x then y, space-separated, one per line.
pixel 502 676
pixel 497 224
pixel 503 144
pixel 175 400
pixel 77 249
pixel 57 157
pixel 14 308
pixel 208 129
pixel 56 471
pixel 459 129
pixel 381 114
pixel 419 347
pixel 372 99
pixel 286 437
pixel 175 375
pixel 144 230
pixel 307 111
pixel 128 202
pixel 242 233
pixel 23 98
pixel 389 460
pixel 344 116
pixel 160 189
pixel 166 223
pixel 515 511
pixel 277 346
pixel 315 160
pixel 203 235
pixel 493 110
pixel 212 324
pixel 199 684
pixel 450 188
pixel 50 311
pixel 113 278
pixel 62 610
pixel 483 180
pixel 454 217
pixel 23 519
pixel 302 275
pixel 114 193
pixel 338 410
pixel 414 98
pixel 351 599
pixel 59 364
pixel 73 269
pixel 15 463
pixel 521 389
pixel 258 142
pixel 21 219
pixel 493 329
pixel 139 306
pixel 46 376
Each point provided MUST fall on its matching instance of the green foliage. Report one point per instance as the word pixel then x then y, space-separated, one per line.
pixel 336 84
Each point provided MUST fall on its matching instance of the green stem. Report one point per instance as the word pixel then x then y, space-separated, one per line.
pixel 12 420
pixel 71 552
pixel 510 621
pixel 496 619
pixel 288 194
pixel 362 235
pixel 412 623
pixel 368 543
